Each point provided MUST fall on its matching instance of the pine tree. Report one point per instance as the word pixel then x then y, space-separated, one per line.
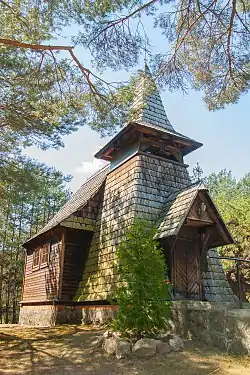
pixel 27 189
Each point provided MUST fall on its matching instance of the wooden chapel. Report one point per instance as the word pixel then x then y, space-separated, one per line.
pixel 69 268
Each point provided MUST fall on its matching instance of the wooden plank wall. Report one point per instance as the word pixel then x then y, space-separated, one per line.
pixel 139 187
pixel 42 284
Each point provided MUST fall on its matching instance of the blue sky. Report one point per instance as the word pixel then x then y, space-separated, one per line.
pixel 225 134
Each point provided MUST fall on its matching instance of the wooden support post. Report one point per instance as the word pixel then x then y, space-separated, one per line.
pixel 24 273
pixel 200 256
pixel 61 260
pixel 173 261
pixel 238 283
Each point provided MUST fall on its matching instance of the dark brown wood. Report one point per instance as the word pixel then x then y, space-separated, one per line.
pixel 187 273
pixel 197 222
pixel 61 265
pixel 42 283
pixel 24 273
pixel 76 245
pixel 222 233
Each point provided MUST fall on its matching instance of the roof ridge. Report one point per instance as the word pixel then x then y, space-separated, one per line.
pixel 78 200
pixel 92 176
pixel 199 185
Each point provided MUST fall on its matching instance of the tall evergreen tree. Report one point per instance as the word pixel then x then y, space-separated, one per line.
pixel 31 193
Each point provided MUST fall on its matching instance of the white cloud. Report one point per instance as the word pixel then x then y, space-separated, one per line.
pixel 90 167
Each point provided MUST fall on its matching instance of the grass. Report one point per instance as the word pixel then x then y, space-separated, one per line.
pixel 68 350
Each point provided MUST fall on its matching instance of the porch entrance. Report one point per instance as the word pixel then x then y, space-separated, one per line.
pixel 186 270
pixel 191 226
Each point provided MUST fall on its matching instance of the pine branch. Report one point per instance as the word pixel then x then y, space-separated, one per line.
pixel 114 23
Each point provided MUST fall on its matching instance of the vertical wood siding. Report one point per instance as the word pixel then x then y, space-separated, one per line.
pixel 42 284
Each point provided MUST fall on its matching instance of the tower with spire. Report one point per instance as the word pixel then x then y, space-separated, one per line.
pixel 147 178
pixel 149 130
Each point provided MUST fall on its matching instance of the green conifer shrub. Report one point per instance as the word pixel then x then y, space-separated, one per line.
pixel 142 294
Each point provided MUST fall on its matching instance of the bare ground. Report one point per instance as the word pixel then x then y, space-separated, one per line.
pixel 68 350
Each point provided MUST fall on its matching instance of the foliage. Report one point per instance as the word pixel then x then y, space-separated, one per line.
pixel 47 92
pixel 31 194
pixel 233 200
pixel 207 45
pixel 142 291
pixel 210 48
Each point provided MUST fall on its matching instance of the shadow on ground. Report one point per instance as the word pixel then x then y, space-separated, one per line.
pixel 69 350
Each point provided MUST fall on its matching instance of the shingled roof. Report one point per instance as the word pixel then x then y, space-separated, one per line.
pixel 148 104
pixel 176 210
pixel 147 113
pixel 77 201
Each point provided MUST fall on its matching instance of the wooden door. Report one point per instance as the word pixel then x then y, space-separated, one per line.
pixel 186 270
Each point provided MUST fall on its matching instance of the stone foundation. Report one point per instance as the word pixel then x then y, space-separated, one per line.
pixel 215 324
pixel 50 315
pixel 38 315
pixel 97 315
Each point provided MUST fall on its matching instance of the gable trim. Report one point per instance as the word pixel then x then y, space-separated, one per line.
pixel 181 210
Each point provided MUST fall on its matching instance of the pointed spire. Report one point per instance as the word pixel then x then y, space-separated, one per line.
pixel 148 106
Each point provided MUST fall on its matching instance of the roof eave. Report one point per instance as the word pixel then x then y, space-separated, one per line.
pixel 189 143
pixel 73 205
pixel 39 236
pixel 100 153
pixel 228 236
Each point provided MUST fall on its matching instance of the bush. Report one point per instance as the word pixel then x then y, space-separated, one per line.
pixel 142 292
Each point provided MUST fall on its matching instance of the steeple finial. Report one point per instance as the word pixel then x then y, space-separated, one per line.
pixel 147 102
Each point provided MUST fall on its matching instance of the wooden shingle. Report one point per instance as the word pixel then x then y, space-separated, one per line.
pixel 77 202
pixel 175 211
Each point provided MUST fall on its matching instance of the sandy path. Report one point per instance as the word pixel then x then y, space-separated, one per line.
pixel 68 350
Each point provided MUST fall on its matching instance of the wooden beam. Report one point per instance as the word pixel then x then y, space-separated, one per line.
pixel 198 222
pixel 186 239
pixel 24 273
pixel 148 131
pixel 59 294
pixel 199 256
pixel 163 146
pixel 216 218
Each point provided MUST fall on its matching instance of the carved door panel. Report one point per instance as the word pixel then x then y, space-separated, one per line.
pixel 186 273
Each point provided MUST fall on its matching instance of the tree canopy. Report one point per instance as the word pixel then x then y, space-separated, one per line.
pixel 47 92
pixel 233 200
